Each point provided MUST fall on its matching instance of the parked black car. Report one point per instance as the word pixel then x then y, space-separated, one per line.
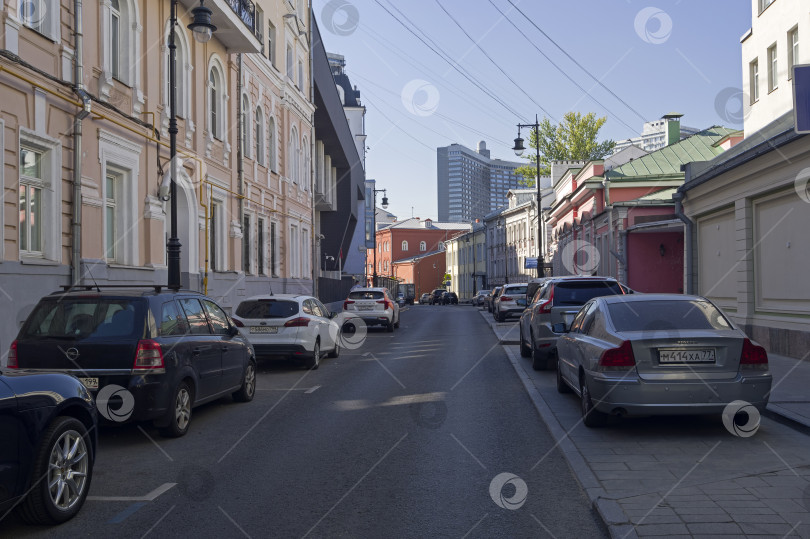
pixel 449 298
pixel 436 296
pixel 171 351
pixel 41 415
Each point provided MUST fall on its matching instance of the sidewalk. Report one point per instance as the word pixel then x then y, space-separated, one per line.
pixel 683 476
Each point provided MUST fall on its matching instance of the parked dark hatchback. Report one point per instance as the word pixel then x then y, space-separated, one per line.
pixel 41 414
pixel 171 350
pixel 449 298
pixel 436 296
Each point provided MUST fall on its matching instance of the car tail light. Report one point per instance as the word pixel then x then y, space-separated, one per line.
pixel 386 304
pixel 545 307
pixel 347 303
pixel 752 357
pixel 238 323
pixel 507 298
pixel 299 322
pixel 620 357
pixel 148 356
pixel 12 356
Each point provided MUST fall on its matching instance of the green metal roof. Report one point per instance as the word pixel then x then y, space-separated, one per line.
pixel 668 160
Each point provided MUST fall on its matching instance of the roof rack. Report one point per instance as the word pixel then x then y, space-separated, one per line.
pixel 89 287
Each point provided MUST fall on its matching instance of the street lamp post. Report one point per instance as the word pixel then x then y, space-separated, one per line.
pixel 203 30
pixel 385 207
pixel 518 149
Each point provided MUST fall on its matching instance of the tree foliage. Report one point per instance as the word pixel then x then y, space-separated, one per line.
pixel 573 139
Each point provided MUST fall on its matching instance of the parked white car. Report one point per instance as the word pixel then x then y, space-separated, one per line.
pixel 289 325
pixel 374 306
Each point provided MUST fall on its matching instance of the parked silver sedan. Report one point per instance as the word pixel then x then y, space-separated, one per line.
pixel 658 354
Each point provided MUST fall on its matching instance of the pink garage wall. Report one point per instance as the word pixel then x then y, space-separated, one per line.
pixel 647 270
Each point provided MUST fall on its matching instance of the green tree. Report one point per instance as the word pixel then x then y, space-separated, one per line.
pixel 573 139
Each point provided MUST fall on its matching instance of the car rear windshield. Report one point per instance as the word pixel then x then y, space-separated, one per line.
pixel 366 294
pixel 516 290
pixel 580 292
pixel 653 315
pixel 267 308
pixel 83 318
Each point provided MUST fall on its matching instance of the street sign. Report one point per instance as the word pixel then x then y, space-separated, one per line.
pixel 530 263
pixel 801 98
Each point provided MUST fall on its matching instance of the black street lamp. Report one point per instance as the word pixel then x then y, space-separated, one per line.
pixel 519 149
pixel 203 29
pixel 385 207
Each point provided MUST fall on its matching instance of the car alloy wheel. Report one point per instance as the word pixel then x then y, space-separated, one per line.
pixel 315 360
pixel 60 474
pixel 248 389
pixel 180 411
pixel 525 351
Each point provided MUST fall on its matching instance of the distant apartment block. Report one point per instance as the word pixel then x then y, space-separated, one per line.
pixel 655 135
pixel 470 184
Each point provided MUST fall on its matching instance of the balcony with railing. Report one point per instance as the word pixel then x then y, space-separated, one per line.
pixel 237 27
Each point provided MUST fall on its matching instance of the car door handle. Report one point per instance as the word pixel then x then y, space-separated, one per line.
pixel 195 352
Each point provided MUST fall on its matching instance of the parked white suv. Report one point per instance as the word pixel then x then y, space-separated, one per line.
pixel 510 302
pixel 289 325
pixel 374 306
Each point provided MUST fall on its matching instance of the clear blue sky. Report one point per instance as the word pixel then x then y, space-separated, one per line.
pixel 657 58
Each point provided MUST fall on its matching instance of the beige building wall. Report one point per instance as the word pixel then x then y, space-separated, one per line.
pixel 126 137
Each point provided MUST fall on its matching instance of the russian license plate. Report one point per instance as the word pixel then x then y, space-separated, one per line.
pixel 263 329
pixel 364 307
pixel 686 356
pixel 89 383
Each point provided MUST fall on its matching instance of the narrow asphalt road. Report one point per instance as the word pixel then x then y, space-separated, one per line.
pixel 406 435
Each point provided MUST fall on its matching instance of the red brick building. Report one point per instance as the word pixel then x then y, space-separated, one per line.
pixel 408 239
pixel 425 271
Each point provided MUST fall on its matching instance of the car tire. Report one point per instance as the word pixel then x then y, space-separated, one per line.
pixel 538 363
pixel 525 351
pixel 39 506
pixel 315 360
pixel 396 325
pixel 336 352
pixel 562 387
pixel 179 413
pixel 248 389
pixel 389 327
pixel 500 317
pixel 590 415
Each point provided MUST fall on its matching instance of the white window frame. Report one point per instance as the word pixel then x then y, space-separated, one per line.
pixel 305 163
pixel 42 18
pixel 753 75
pixel 130 31
pixel 248 239
pixel 295 246
pixel 261 246
pixel 121 157
pixel 773 68
pixel 184 70
pixel 272 144
pixel 793 49
pixel 51 194
pixel 259 121
pixel 219 231
pixel 273 252
pixel 300 74
pixel 422 246
pixel 405 245
pixel 290 74
pixel 293 158
pixel 271 43
pixel 216 126
pixel 305 270
pixel 247 125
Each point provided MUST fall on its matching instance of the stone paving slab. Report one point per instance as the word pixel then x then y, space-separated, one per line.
pixel 679 476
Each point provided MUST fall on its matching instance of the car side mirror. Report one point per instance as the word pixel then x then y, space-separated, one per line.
pixel 333 315
pixel 560 327
pixel 233 331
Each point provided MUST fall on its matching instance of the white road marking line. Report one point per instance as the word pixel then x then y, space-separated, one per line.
pixel 312 389
pixel 147 498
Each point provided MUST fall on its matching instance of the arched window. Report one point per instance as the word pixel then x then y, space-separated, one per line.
pixel 271 143
pixel 404 245
pixel 245 134
pixel 293 159
pixel 120 31
pixel 259 136
pixel 305 175
pixel 183 78
pixel 115 39
pixel 422 246
pixel 216 96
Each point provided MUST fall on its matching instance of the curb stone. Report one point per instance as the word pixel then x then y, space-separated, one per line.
pixel 610 512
